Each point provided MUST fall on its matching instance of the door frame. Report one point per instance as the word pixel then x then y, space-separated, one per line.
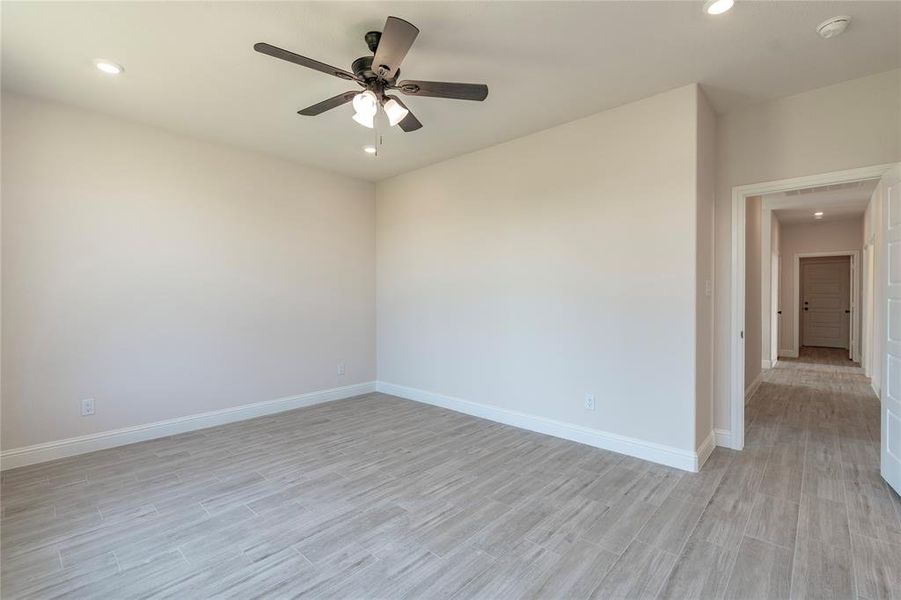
pixel 775 310
pixel 854 300
pixel 867 308
pixel 740 195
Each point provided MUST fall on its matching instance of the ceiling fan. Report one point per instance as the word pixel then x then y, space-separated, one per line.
pixel 378 75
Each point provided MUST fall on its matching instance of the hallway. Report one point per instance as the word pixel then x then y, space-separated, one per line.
pixel 821 520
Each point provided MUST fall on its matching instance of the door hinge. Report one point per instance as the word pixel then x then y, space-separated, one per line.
pixel 742 334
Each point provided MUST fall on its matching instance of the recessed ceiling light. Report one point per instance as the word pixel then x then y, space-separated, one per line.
pixel 369 149
pixel 833 27
pixel 717 7
pixel 818 213
pixel 108 66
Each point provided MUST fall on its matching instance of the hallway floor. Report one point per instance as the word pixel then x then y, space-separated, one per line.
pixel 378 497
pixel 821 521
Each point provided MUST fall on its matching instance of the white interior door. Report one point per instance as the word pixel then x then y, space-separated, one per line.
pixel 890 465
pixel 853 312
pixel 826 301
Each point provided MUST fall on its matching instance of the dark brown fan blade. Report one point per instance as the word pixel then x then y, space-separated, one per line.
pixel 443 89
pixel 397 37
pixel 410 122
pixel 334 102
pixel 303 61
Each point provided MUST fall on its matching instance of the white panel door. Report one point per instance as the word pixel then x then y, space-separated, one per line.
pixel 825 301
pixel 891 366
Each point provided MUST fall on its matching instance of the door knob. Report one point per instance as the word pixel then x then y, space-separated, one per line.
pixel 847 311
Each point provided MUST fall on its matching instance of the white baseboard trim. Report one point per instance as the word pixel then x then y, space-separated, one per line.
pixel 723 437
pixel 789 353
pixel 749 391
pixel 658 453
pixel 706 449
pixel 38 453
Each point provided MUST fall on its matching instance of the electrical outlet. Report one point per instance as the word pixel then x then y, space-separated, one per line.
pixel 341 369
pixel 87 407
pixel 589 401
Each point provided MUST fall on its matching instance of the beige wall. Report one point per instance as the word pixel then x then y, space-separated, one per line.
pixel 512 276
pixel 874 286
pixel 775 235
pixel 852 124
pixel 753 307
pixel 800 238
pixel 527 274
pixel 165 276
pixel 706 184
pixel 775 303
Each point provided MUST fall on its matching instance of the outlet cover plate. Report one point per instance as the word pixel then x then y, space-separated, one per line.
pixel 87 407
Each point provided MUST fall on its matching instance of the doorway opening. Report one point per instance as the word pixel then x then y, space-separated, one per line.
pixel 803 282
pixel 877 323
pixel 764 262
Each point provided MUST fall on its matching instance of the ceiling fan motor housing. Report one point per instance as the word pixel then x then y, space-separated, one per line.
pixel 362 68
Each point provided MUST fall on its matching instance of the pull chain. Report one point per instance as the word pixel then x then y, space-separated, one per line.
pixel 377 142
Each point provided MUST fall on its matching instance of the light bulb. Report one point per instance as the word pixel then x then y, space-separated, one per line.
pixel 365 103
pixel 395 111
pixel 365 120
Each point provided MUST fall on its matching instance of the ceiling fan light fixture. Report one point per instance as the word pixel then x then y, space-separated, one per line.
pixel 376 74
pixel 365 120
pixel 396 113
pixel 718 7
pixel 365 103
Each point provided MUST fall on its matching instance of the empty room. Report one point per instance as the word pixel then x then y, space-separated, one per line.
pixel 464 300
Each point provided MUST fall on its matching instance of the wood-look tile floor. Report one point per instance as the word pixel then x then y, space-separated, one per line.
pixel 378 497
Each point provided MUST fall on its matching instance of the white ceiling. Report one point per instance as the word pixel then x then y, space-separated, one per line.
pixel 837 202
pixel 190 66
